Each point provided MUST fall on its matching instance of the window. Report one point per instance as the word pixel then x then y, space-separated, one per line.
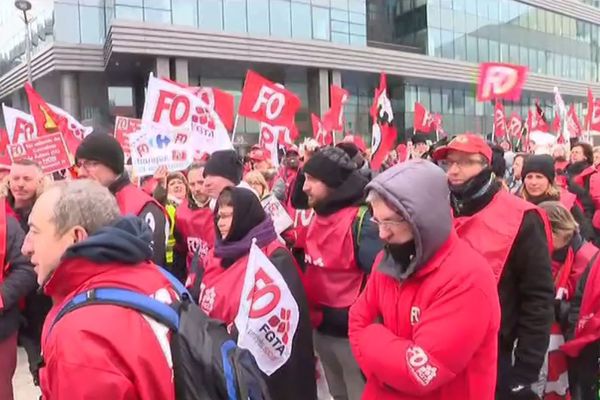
pixel 258 17
pixel 66 23
pixel 210 15
pixel 138 3
pixel 447 45
pixel 281 23
pixel 341 27
pixel 458 101
pixel 472 49
pixel 235 16
pixel 436 100
pixel 158 16
pixel 320 23
pixel 460 51
pixel 358 40
pixel 435 42
pixel 130 13
pixel 341 38
pixel 92 24
pixel 158 4
pixel 121 98
pixel 339 4
pixel 185 12
pixel 301 21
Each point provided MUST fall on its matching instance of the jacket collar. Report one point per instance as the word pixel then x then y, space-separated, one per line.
pixel 121 181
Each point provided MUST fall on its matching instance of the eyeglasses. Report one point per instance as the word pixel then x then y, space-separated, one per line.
pixel 88 164
pixel 462 163
pixel 388 224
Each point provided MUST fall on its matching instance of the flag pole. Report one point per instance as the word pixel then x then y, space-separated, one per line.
pixel 235 123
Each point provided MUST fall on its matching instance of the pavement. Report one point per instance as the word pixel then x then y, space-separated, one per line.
pixel 23 387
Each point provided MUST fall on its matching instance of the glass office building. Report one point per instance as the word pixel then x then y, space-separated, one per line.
pixel 93 56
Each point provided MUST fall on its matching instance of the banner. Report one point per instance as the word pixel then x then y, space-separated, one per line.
pixel 320 133
pixel 268 315
pixel 269 139
pixel 266 101
pixel 124 127
pixel 220 101
pixel 501 81
pixel 20 126
pixel 274 209
pixel 153 148
pixel 170 107
pixel 499 121
pixel 384 132
pixel 49 151
pixel 334 117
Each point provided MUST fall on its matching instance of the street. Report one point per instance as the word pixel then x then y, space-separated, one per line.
pixel 22 384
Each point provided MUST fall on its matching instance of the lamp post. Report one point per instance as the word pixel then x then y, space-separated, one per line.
pixel 24 6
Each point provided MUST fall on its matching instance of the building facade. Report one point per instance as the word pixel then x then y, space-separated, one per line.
pixel 93 57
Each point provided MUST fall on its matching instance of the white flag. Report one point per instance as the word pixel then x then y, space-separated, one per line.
pixel 78 130
pixel 20 126
pixel 267 319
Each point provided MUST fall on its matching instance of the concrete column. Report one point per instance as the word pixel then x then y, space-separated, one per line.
pixel 162 69
pixel 318 91
pixel 181 71
pixel 69 93
pixel 336 77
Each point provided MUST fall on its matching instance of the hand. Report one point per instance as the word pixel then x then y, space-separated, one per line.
pixel 161 175
pixel 523 392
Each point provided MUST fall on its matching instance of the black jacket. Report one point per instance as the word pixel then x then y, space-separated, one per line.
pixel 18 282
pixel 526 291
pixel 296 379
pixel 155 217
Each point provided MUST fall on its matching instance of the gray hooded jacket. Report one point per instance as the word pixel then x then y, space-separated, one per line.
pixel 418 191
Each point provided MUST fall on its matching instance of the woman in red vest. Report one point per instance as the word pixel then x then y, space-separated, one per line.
pixel 239 219
pixel 539 185
pixel 571 256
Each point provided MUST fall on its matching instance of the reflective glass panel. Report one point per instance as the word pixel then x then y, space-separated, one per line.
pixel 210 15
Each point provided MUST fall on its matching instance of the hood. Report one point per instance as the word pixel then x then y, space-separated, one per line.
pixel 418 191
pixel 128 241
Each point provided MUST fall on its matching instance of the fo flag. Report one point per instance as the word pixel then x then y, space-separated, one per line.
pixel 269 139
pixel 573 124
pixel 423 120
pixel 334 117
pixel 268 316
pixel 20 126
pixel 384 133
pixel 592 119
pixel 500 81
pixel 320 133
pixel 499 121
pixel 514 127
pixel 268 102
pixel 218 100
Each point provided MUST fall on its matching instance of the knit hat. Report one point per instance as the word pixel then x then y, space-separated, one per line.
pixel 104 149
pixel 225 163
pixel 540 163
pixel 331 165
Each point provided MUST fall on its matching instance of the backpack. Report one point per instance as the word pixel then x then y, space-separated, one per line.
pixel 207 363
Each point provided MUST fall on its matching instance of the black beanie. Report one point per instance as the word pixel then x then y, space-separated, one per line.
pixel 350 148
pixel 225 163
pixel 104 149
pixel 540 163
pixel 330 165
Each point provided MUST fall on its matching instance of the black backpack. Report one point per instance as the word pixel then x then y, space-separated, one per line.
pixel 207 363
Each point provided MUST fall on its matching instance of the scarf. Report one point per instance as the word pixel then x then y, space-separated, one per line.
pixel 230 252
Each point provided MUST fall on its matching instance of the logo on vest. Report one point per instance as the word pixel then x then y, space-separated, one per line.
pixel 419 365
pixel 197 244
pixel 415 315
pixel 317 262
pixel 207 298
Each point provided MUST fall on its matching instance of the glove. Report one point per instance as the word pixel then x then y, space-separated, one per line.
pixel 523 392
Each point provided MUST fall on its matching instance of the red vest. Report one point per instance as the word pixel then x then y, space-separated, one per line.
pixel 197 228
pixel 493 230
pixel 567 274
pixel 332 277
pixel 567 198
pixel 132 200
pixel 221 288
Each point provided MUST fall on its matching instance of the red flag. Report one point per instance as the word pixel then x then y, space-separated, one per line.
pixel 499 122
pixel 500 81
pixel 439 130
pixel 384 132
pixel 321 135
pixel 590 110
pixel 5 159
pixel 268 102
pixel 220 101
pixel 45 119
pixel 573 124
pixel 514 128
pixel 334 117
pixel 536 121
pixel 556 124
pixel 423 120
pixel 592 120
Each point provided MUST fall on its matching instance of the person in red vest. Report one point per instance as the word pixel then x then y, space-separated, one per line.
pixel 240 219
pixel 79 242
pixel 340 247
pixel 584 181
pixel 17 280
pixel 100 157
pixel 286 176
pixel 539 186
pixel 571 256
pixel 194 226
pixel 513 235
pixel 413 329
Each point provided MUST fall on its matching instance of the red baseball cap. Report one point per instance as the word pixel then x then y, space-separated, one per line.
pixel 259 155
pixel 292 148
pixel 467 143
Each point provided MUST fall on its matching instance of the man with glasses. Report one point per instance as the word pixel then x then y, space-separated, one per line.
pixel 100 157
pixel 340 248
pixel 513 236
pixel 427 323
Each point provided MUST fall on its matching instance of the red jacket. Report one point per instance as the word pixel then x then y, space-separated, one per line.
pixel 439 332
pixel 594 190
pixel 103 351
